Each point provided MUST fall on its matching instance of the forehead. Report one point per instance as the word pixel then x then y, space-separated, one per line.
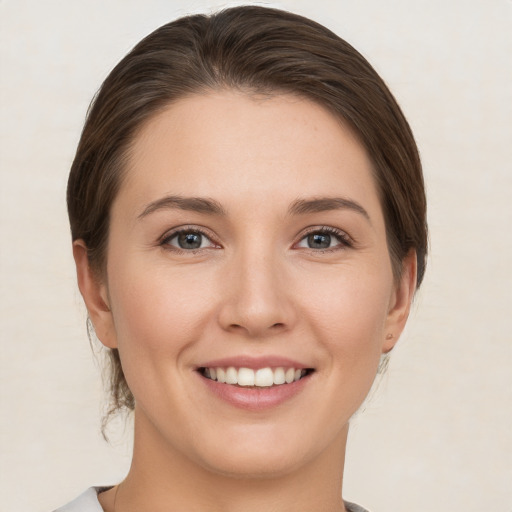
pixel 239 146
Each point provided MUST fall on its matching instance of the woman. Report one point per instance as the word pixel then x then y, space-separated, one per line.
pixel 248 218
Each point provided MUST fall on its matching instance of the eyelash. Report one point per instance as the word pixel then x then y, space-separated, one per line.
pixel 166 239
pixel 344 240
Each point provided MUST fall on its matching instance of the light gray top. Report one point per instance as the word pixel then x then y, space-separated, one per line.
pixel 88 502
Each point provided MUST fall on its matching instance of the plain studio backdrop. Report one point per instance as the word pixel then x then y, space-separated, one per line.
pixel 436 436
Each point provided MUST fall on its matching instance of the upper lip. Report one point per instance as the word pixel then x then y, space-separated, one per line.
pixel 246 361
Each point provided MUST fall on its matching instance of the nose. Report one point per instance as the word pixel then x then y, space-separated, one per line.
pixel 257 302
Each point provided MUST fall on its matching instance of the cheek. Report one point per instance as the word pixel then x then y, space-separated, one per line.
pixel 137 313
pixel 349 315
pixel 156 310
pixel 352 324
pixel 158 316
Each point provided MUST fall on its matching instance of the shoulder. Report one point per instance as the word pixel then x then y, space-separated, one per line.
pixel 352 507
pixel 86 502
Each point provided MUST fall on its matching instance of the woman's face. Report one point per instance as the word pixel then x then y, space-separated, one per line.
pixel 248 233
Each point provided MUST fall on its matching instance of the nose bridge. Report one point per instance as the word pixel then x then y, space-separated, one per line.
pixel 256 300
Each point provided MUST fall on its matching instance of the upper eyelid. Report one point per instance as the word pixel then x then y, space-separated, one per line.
pixel 324 229
pixel 187 228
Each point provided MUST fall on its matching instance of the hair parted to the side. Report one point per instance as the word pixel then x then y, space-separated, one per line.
pixel 254 50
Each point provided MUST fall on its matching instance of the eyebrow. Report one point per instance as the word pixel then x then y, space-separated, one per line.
pixel 192 204
pixel 323 204
pixel 212 207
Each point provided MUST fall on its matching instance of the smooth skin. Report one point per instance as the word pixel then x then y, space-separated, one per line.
pixel 290 259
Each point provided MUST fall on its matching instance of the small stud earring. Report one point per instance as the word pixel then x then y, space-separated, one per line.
pixel 389 336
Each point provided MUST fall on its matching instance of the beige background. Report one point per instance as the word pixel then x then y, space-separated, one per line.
pixel 437 434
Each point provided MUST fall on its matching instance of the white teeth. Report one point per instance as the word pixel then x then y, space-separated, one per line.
pixel 221 375
pixel 263 377
pixel 245 377
pixel 289 375
pixel 231 376
pixel 279 377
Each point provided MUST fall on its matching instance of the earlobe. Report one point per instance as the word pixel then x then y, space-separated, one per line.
pixel 400 303
pixel 94 293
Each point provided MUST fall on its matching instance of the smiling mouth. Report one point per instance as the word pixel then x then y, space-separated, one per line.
pixel 261 378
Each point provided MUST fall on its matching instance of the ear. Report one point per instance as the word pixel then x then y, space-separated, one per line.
pixel 95 295
pixel 400 302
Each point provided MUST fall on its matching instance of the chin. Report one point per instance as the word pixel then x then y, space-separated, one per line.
pixel 264 454
pixel 254 466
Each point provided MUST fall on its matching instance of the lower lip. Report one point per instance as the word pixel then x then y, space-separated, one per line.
pixel 254 398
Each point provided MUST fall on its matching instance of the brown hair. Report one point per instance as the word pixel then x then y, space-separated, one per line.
pixel 258 50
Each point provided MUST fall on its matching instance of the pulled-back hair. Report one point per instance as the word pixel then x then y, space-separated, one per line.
pixel 254 50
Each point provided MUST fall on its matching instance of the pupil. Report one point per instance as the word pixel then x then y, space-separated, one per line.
pixel 189 240
pixel 319 241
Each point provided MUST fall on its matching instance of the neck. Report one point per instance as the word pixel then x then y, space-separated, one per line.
pixel 162 479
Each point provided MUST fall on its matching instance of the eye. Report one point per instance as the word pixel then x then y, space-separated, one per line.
pixel 188 240
pixel 325 238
